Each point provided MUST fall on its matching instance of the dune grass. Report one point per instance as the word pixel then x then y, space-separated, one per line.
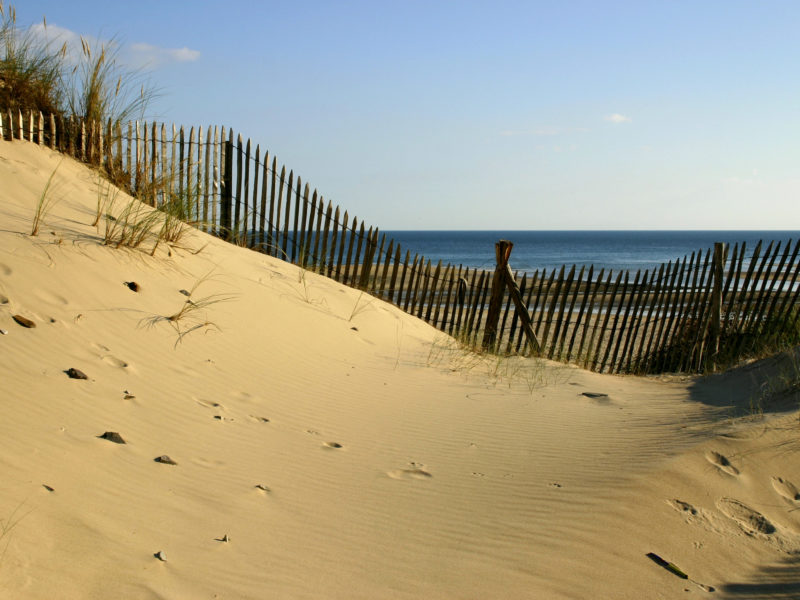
pixel 191 315
pixel 46 201
pixel 91 82
pixel 31 70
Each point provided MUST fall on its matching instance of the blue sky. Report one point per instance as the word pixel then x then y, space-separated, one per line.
pixel 490 115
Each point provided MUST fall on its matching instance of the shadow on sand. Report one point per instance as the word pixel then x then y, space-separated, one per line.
pixel 777 581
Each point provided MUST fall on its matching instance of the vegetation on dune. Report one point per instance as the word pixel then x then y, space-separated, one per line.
pixel 39 74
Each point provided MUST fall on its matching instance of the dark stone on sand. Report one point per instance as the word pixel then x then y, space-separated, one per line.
pixel 132 286
pixel 73 373
pixel 594 395
pixel 165 460
pixel 185 292
pixel 48 488
pixel 23 321
pixel 112 436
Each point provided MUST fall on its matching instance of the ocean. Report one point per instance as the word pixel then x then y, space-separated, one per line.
pixel 534 250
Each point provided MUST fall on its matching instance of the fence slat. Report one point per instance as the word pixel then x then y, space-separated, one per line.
pixel 596 325
pixel 416 274
pixel 331 271
pixel 673 331
pixel 385 273
pixel 350 262
pixel 323 252
pixel 263 224
pixel 402 293
pixel 561 309
pixel 253 233
pixel 287 210
pixel 297 202
pixel 794 268
pixel 636 318
pixel 570 312
pixel 342 244
pixel 693 324
pixel 617 331
pixel 764 292
pixel 614 304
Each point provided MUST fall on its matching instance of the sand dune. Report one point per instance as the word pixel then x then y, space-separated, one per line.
pixel 327 445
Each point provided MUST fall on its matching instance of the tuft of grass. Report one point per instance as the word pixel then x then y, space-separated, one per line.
pixel 360 307
pixel 131 227
pixel 45 203
pixel 91 82
pixel 191 316
pixel 8 525
pixel 30 69
pixel 464 355
pixel 106 196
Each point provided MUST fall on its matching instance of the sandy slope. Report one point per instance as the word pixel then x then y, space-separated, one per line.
pixel 394 464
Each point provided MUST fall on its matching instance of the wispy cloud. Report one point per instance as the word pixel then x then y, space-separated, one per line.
pixel 155 56
pixel 55 37
pixel 139 55
pixel 618 118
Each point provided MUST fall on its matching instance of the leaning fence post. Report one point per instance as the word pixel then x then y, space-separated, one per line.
pixel 716 303
pixel 502 250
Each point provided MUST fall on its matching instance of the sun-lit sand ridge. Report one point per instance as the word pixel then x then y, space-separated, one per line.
pixel 330 446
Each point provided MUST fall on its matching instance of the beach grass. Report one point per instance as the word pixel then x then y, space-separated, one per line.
pixel 45 202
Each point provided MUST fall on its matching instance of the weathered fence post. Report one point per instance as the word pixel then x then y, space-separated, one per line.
pixel 502 251
pixel 716 303
pixel 226 194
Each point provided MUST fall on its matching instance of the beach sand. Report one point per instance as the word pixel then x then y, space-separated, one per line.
pixel 327 445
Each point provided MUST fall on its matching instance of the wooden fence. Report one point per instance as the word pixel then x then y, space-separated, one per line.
pixel 688 315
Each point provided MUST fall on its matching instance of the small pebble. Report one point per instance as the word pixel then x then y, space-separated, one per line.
pixel 594 395
pixel 185 292
pixel 132 286
pixel 76 374
pixel 164 459
pixel 224 538
pixel 23 321
pixel 112 436
pixel 3 332
pixel 161 556
pixel 262 487
pixel 48 488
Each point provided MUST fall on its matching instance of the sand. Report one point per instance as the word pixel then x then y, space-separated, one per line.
pixel 327 445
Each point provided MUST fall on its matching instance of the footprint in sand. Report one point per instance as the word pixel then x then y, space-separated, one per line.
pixel 721 462
pixel 258 419
pixel 208 403
pixel 786 489
pixel 683 507
pixel 114 361
pixel 415 471
pixel 751 521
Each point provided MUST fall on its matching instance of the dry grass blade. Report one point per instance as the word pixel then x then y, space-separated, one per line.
pixel 188 318
pixel 45 203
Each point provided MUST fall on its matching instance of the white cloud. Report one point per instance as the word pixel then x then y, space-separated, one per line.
pixel 618 118
pixel 55 37
pixel 139 55
pixel 154 56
